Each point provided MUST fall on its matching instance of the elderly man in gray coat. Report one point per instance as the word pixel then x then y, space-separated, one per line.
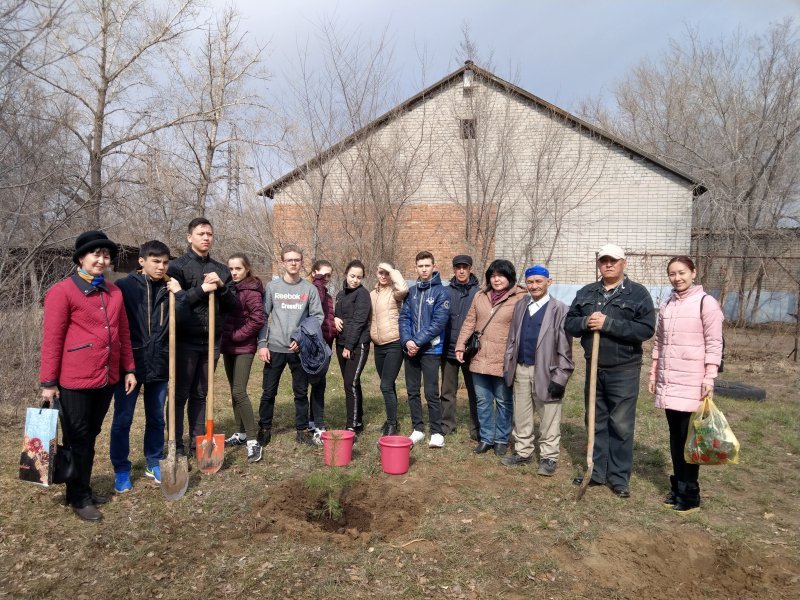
pixel 538 364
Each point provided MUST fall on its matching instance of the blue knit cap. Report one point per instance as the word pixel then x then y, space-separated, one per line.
pixel 537 270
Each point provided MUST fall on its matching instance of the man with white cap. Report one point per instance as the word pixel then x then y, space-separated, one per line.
pixel 622 311
pixel 538 364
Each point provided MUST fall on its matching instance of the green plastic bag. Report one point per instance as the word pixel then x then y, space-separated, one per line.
pixel 710 440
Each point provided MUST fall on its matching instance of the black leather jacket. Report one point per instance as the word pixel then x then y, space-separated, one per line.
pixel 630 320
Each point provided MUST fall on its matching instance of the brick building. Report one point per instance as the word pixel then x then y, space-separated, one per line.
pixel 474 164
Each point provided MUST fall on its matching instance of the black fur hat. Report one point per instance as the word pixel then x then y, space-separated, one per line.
pixel 91 240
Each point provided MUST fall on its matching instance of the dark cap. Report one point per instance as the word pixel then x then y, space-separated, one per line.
pixel 91 240
pixel 462 259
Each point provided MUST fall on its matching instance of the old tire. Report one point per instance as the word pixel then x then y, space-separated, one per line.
pixel 733 389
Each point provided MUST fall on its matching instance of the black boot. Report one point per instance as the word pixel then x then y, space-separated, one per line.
pixel 688 499
pixel 671 498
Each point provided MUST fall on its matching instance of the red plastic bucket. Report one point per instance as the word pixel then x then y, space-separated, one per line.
pixel 337 446
pixel 395 453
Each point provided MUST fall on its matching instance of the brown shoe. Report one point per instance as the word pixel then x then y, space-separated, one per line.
pixel 88 512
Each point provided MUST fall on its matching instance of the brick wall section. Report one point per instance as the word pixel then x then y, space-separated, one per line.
pixel 560 193
pixel 436 227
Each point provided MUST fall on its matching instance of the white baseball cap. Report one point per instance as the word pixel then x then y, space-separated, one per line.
pixel 611 250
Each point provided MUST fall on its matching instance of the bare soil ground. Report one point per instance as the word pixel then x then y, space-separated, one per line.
pixel 456 525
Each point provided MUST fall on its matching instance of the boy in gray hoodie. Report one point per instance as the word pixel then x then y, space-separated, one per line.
pixel 287 301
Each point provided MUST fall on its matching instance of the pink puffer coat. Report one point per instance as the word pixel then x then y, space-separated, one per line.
pixel 687 349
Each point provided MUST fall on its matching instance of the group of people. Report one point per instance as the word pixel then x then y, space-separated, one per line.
pixel 512 346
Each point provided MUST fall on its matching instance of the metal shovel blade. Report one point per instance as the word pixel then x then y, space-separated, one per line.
pixel 210 452
pixel 174 474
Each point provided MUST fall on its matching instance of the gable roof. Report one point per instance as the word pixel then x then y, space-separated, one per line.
pixel 489 77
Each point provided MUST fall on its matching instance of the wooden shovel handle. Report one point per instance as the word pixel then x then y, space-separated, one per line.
pixel 211 326
pixel 171 374
pixel 592 397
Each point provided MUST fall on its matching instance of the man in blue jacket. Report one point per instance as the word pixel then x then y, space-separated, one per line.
pixel 423 319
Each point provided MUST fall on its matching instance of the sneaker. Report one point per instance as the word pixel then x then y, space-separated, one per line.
pixel 254 451
pixel 264 436
pixel 437 441
pixel 237 439
pixel 305 437
pixel 547 467
pixel 417 436
pixel 122 482
pixel 153 473
pixel 355 431
pixel 317 436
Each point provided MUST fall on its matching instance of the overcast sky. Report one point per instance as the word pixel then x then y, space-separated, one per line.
pixel 561 50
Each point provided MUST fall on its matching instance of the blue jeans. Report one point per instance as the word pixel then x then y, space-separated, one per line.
pixel 124 406
pixel 495 408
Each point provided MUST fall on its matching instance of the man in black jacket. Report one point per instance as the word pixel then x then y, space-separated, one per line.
pixel 463 287
pixel 622 311
pixel 146 296
pixel 198 275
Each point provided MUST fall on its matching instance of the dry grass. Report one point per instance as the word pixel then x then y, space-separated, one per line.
pixel 456 526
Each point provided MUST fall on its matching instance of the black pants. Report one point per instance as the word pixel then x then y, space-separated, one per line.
pixel 678 422
pixel 191 388
pixel 351 374
pixel 388 360
pixel 82 414
pixel 424 367
pixel 272 379
pixel 615 417
pixel 450 369
pixel 319 384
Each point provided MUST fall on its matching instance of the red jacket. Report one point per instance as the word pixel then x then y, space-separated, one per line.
pixel 241 327
pixel 86 342
pixel 329 332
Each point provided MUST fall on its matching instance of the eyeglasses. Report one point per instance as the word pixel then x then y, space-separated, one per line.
pixel 292 260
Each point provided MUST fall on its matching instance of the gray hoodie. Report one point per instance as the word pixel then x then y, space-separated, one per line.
pixel 286 305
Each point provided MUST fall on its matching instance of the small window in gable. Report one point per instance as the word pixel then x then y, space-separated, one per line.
pixel 467 129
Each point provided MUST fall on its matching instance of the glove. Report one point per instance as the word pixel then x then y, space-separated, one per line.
pixel 556 390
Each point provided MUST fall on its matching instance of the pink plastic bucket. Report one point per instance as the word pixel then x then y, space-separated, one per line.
pixel 395 453
pixel 337 446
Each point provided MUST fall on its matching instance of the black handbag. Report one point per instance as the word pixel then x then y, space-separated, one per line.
pixel 64 469
pixel 473 343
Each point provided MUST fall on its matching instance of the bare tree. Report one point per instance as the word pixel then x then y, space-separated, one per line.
pixel 357 169
pixel 728 113
pixel 112 82
pixel 220 86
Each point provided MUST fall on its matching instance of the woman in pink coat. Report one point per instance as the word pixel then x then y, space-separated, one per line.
pixel 686 356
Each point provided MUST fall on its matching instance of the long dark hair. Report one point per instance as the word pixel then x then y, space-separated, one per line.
pixel 246 263
pixel 502 267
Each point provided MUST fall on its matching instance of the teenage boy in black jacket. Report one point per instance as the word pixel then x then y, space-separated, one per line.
pixel 146 296
pixel 198 275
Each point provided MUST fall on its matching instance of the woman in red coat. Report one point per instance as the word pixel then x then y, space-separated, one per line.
pixel 86 349
pixel 238 348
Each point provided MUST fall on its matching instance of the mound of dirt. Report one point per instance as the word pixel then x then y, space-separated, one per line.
pixel 686 564
pixel 374 508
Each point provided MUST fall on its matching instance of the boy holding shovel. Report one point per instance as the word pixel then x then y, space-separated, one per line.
pixel 146 297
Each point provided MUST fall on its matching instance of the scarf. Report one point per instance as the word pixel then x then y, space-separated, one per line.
pixel 94 280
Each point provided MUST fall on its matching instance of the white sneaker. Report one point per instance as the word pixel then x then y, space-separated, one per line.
pixel 317 436
pixel 417 436
pixel 437 441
